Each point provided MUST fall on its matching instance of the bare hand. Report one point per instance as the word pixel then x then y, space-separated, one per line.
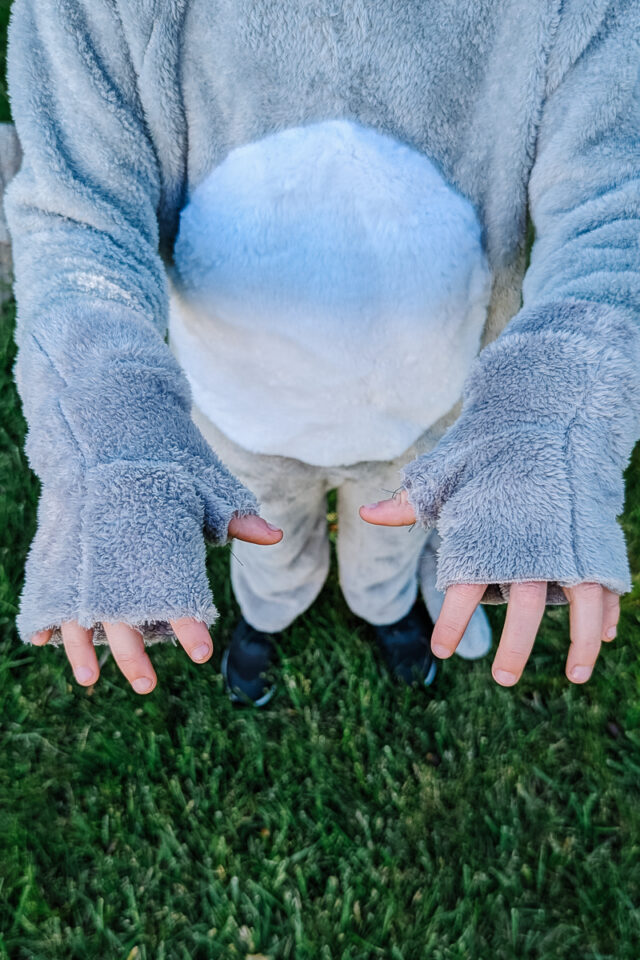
pixel 126 642
pixel 593 612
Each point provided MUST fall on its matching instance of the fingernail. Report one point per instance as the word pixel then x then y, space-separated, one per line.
pixel 580 674
pixel 370 506
pixel 83 674
pixel 201 652
pixel 504 677
pixel 611 632
pixel 439 650
pixel 272 527
pixel 142 684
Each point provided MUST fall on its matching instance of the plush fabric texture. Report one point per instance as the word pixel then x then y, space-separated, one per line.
pixel 528 483
pixel 123 108
pixel 130 489
pixel 533 494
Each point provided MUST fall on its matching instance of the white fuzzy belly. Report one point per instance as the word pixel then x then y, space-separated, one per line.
pixel 331 294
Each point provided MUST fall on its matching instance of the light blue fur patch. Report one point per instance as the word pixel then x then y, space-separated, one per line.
pixel 334 293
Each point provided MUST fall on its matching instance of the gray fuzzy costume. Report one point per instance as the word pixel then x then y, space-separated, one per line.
pixel 122 108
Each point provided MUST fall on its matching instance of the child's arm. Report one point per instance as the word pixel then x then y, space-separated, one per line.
pixel 128 481
pixel 528 483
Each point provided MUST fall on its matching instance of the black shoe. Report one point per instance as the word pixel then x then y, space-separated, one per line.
pixel 406 646
pixel 245 665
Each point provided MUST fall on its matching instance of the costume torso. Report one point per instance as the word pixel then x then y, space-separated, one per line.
pixel 330 282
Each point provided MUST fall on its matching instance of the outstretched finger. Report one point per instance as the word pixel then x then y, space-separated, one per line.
pixel 127 647
pixel 81 654
pixel 610 614
pixel 394 512
pixel 526 606
pixel 254 529
pixel 585 625
pixel 194 638
pixel 460 600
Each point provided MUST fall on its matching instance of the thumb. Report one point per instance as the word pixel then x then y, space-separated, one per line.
pixel 254 529
pixel 231 509
pixel 394 512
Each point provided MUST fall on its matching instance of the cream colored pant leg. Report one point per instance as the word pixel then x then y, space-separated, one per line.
pixel 378 566
pixel 275 584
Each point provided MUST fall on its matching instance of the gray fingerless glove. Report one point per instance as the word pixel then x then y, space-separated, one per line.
pixel 130 488
pixel 527 484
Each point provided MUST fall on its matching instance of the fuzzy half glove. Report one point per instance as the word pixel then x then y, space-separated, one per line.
pixel 528 483
pixel 129 485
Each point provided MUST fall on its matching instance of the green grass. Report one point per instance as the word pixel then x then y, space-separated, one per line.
pixel 5 109
pixel 347 820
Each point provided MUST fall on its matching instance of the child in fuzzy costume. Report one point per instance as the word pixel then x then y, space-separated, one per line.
pixel 325 205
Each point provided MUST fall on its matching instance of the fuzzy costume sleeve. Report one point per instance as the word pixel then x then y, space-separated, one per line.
pixel 528 483
pixel 128 482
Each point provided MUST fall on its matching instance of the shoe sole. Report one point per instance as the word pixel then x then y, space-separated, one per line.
pixel 415 681
pixel 431 673
pixel 236 697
